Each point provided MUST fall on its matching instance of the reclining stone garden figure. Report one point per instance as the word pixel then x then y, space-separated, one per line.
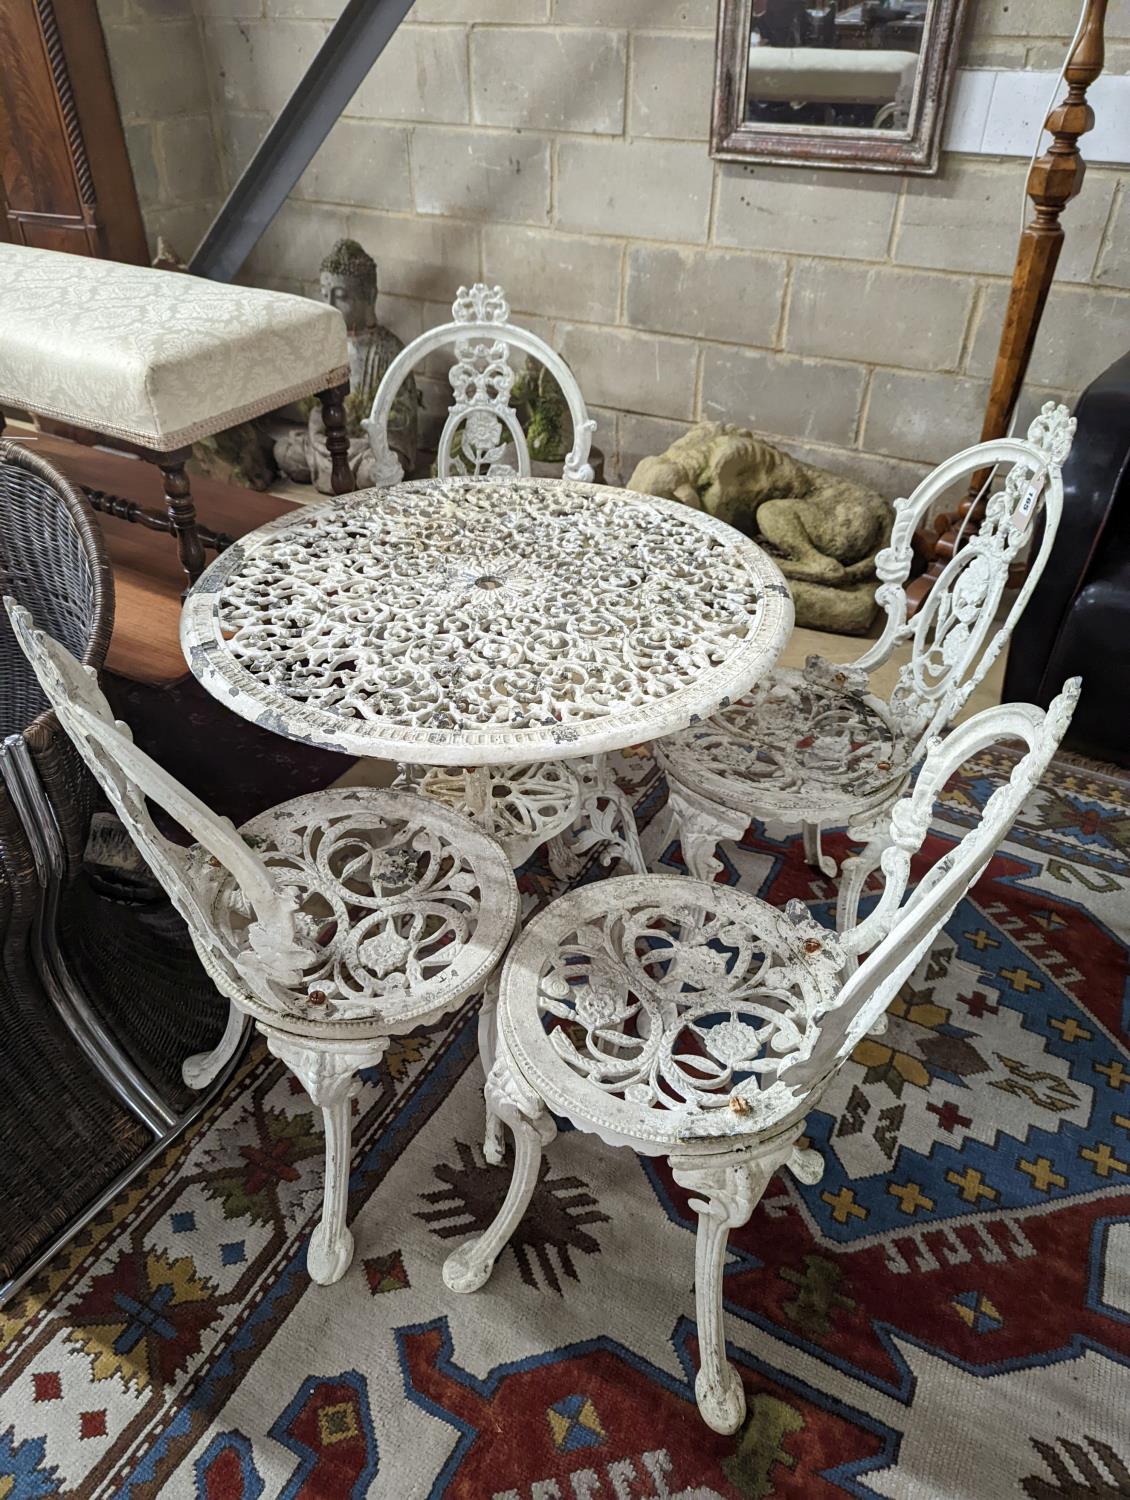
pixel 823 530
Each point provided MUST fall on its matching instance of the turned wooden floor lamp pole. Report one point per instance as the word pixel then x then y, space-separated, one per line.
pixel 1055 178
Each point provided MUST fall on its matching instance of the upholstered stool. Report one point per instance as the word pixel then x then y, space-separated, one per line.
pixel 155 361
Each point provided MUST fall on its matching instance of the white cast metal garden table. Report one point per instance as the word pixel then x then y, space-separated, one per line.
pixel 459 623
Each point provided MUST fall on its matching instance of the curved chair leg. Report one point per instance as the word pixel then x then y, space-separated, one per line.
pixel 331 1244
pixel 700 827
pixel 730 1194
pixel 814 851
pixel 508 1101
pixel 666 826
pixel 494 1142
pixel 806 1164
pixel 494 1147
pixel 853 880
pixel 328 1077
pixel 199 1070
pixel 564 864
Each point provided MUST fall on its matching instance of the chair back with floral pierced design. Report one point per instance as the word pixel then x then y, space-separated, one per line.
pixel 899 931
pixel 805 1045
pixel 481 421
pixel 129 777
pixel 953 642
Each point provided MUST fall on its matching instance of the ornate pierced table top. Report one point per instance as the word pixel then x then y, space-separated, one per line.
pixel 467 622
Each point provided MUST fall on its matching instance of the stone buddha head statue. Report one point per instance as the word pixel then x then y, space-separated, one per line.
pixel 348 277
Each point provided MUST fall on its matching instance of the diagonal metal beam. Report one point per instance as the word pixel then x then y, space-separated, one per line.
pixel 357 39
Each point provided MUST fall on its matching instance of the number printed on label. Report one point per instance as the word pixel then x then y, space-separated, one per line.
pixel 1023 512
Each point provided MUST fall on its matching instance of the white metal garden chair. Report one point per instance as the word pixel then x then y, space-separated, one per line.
pixel 689 1020
pixel 537 804
pixel 335 921
pixel 481 421
pixel 815 747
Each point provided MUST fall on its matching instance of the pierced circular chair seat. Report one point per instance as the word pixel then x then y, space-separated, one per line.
pixel 814 738
pixel 655 1010
pixel 401 910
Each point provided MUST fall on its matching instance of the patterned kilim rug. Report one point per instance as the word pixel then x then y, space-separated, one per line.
pixel 945 1315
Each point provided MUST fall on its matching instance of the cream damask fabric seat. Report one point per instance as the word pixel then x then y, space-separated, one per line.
pixel 154 357
pixel 157 360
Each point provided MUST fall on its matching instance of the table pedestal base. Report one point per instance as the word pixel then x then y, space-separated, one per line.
pixel 571 806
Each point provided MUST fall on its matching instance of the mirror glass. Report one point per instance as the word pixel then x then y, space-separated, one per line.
pixel 849 83
pixel 850 65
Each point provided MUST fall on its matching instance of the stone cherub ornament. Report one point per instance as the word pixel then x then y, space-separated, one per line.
pixel 546 422
pixel 549 430
pixel 348 278
pixel 823 531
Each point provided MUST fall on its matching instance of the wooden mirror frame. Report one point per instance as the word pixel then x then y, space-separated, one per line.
pixel 917 149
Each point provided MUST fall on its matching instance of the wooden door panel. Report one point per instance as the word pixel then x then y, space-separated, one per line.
pixel 65 179
pixel 53 234
pixel 38 171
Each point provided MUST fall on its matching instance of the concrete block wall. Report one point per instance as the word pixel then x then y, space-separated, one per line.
pixel 161 79
pixel 558 147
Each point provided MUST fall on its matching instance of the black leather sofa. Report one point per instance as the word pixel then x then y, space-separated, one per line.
pixel 1078 619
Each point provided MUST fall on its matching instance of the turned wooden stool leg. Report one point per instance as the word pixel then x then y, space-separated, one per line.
pixel 337 438
pixel 182 512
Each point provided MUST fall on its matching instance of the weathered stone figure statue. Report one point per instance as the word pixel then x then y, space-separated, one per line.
pixel 549 432
pixel 823 531
pixel 349 283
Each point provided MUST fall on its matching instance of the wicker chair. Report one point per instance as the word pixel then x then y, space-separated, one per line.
pixel 52 559
pixel 53 1101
